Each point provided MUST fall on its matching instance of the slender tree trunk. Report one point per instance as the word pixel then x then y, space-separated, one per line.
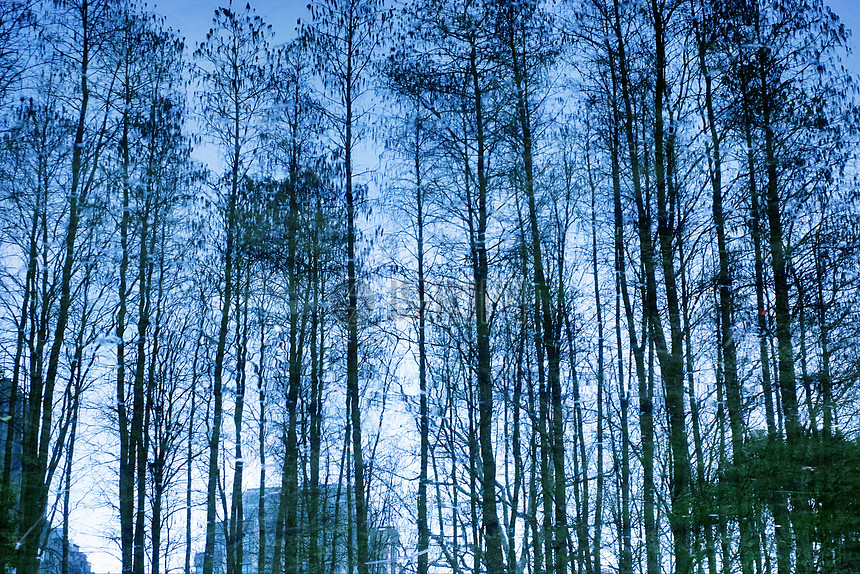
pixel 761 310
pixel 782 310
pixel 291 547
pixel 77 376
pixel 220 355
pixel 315 558
pixel 537 545
pixel 785 350
pixel 261 394
pixel 474 466
pixel 13 423
pixel 554 445
pixel 334 556
pixel 701 525
pixel 581 465
pixel 139 407
pixel 350 511
pixel 352 320
pixel 625 562
pixel 671 358
pixel 724 281
pixel 423 527
pixel 601 375
pixel 489 513
pixel 516 438
pixel 825 378
pixel 646 415
pixel 127 457
pixel 546 474
pixel 237 511
pixel 159 487
pixel 722 505
pixel 278 561
pixel 191 425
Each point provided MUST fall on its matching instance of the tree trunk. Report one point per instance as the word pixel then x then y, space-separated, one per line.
pixel 262 563
pixel 237 510
pixel 220 354
pixel 646 415
pixel 191 425
pixel 671 358
pixel 315 558
pixel 423 409
pixel 291 547
pixel 489 514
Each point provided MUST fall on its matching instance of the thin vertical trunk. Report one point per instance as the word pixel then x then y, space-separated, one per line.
pixel 12 423
pixel 825 378
pixel 786 378
pixel 191 424
pixel 724 284
pixel 474 469
pixel 670 357
pixel 237 57
pixel 782 310
pixel 237 511
pixel 646 415
pixel 722 505
pixel 625 561
pixel 455 522
pixel 598 502
pixel 158 486
pixel 139 407
pixel 315 559
pixel 516 445
pixel 291 547
pixel 489 514
pixel 703 528
pixel 779 507
pixel 220 355
pixel 350 509
pixel 544 324
pixel 802 322
pixel 261 432
pixel 277 565
pixel 423 528
pixel 546 474
pixel 581 465
pixel 159 374
pixel 334 556
pixel 352 320
pixel 537 546
pixel 126 447
pixel 77 377
pixel 761 310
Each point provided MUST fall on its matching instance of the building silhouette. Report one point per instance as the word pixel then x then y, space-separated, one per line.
pixel 383 542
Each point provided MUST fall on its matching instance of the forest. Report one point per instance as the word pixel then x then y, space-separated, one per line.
pixel 435 286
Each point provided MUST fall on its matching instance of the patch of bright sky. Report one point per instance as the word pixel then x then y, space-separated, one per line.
pixel 849 14
pixel 191 19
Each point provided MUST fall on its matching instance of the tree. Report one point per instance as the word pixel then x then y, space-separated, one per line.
pixel 344 34
pixel 234 74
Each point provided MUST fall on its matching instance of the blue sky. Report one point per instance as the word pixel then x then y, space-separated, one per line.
pixel 192 19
